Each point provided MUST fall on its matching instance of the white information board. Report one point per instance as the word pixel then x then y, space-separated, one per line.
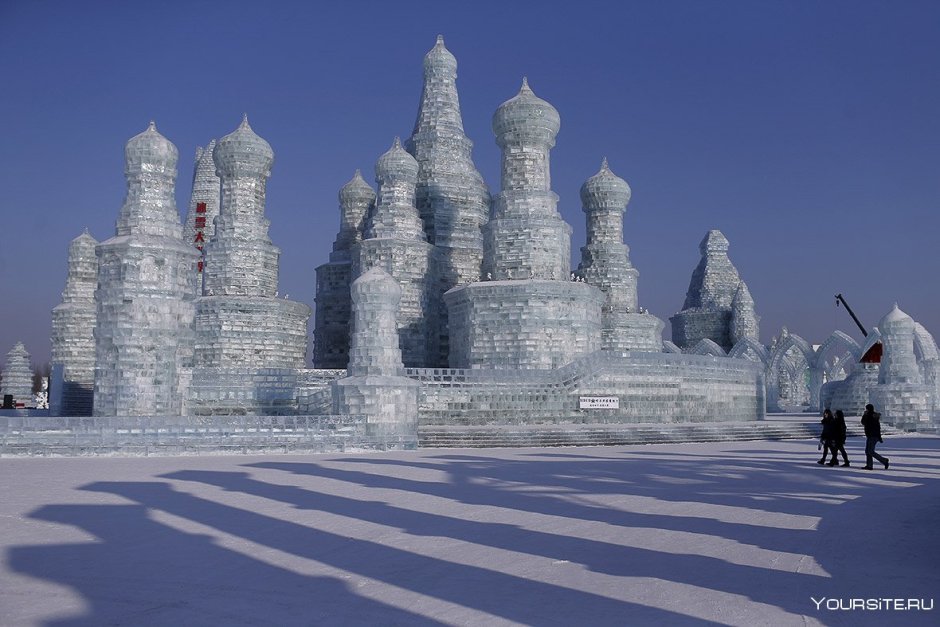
pixel 599 402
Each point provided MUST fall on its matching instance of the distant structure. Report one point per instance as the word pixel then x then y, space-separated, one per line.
pixel 145 293
pixel 203 204
pixel 18 377
pixel 73 332
pixel 708 308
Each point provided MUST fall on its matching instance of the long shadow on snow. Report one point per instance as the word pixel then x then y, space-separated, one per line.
pixel 761 584
pixel 507 596
pixel 143 572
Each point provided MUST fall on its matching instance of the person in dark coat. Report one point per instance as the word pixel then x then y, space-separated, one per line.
pixel 871 420
pixel 826 437
pixel 838 439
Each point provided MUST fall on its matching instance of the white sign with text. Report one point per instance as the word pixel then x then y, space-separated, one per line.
pixel 599 402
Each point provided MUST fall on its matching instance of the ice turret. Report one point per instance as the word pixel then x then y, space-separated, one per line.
pixel 333 310
pixel 73 332
pixel 527 237
pixel 18 377
pixel 395 215
pixel 527 314
pixel 146 287
pixel 898 362
pixel 605 263
pixel 240 258
pixel 901 395
pixel 243 331
pixel 375 351
pixel 376 386
pixel 707 309
pixel 356 203
pixel 150 168
pixel 451 197
pixel 395 241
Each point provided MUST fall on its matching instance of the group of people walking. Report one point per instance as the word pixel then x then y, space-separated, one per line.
pixel 832 439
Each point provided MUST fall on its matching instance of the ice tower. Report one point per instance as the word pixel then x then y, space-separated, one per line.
pixel 901 395
pixel 530 315
pixel 395 241
pixel 376 386
pixel 451 197
pixel 240 322
pixel 73 333
pixel 146 276
pixel 707 311
pixel 331 332
pixel 18 377
pixel 605 264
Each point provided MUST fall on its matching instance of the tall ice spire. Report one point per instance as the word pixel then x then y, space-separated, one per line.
pixel 451 197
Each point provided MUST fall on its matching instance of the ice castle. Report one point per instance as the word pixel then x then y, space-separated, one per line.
pixel 441 304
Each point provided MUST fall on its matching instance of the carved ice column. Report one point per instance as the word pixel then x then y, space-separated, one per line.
pixel 333 311
pixel 145 292
pixel 901 395
pixel 73 333
pixel 18 377
pixel 529 315
pixel 203 204
pixel 605 263
pixel 376 387
pixel 249 342
pixel 707 309
pixel 451 196
pixel 395 241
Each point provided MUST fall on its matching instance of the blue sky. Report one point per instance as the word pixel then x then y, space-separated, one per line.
pixel 807 132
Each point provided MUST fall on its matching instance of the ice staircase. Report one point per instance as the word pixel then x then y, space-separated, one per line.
pixel 776 427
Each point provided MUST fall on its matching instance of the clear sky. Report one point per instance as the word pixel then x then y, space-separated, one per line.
pixel 808 132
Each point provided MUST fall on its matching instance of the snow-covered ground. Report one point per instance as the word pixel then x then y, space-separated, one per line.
pixel 743 533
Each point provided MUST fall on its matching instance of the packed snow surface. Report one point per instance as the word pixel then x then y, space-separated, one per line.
pixel 742 533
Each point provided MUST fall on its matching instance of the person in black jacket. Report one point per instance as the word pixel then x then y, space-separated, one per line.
pixel 871 420
pixel 827 435
pixel 838 439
